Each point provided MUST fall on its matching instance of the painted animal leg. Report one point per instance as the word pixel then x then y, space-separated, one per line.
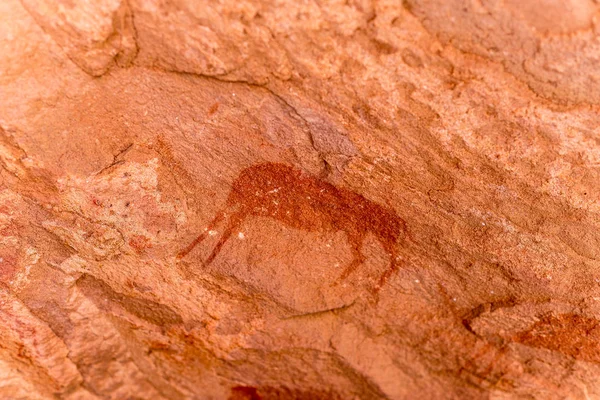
pixel 394 266
pixel 218 218
pixel 357 258
pixel 234 222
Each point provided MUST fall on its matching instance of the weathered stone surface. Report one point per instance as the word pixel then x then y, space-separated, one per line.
pixel 304 200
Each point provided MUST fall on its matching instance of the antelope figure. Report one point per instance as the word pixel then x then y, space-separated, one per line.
pixel 303 201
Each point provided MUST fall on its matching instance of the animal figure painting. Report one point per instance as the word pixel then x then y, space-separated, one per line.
pixel 304 201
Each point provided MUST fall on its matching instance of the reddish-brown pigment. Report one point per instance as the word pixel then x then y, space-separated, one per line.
pixel 303 201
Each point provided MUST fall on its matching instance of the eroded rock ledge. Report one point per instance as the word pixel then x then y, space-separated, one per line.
pixel 391 200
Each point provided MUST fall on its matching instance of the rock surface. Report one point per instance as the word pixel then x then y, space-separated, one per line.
pixel 299 199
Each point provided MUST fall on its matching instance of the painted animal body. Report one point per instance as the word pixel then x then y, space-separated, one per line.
pixel 303 201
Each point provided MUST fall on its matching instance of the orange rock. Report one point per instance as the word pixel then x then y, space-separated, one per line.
pixel 390 200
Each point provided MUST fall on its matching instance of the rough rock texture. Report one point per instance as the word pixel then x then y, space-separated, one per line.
pixel 299 199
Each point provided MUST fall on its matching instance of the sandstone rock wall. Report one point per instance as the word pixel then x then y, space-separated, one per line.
pixel 395 200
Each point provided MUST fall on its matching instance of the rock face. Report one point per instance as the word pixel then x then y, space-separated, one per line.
pixel 299 199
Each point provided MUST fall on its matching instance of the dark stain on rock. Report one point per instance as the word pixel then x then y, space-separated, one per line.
pixel 148 310
pixel 383 47
pixel 573 335
pixel 367 115
pixel 280 393
pixel 411 59
pixel 213 109
pixel 303 201
pixel 244 393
